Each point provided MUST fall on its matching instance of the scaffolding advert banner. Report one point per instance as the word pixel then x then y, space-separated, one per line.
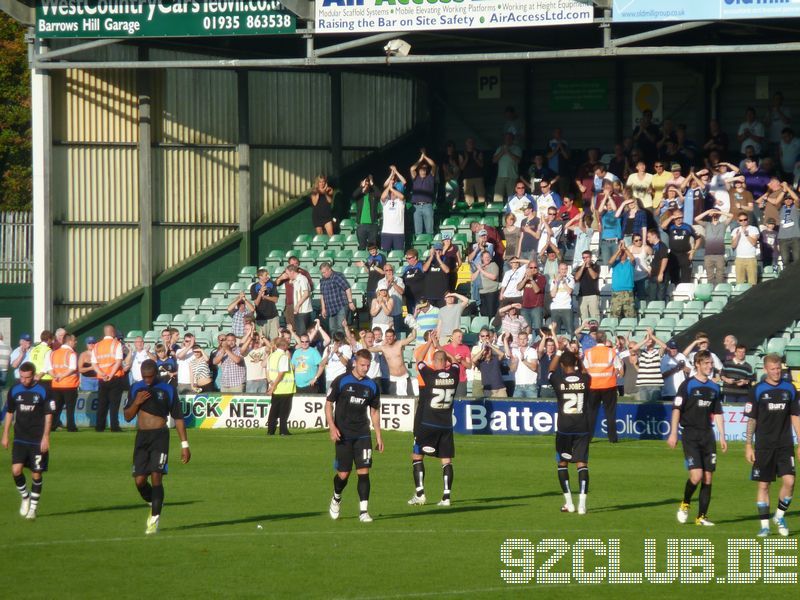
pixel 161 18
pixel 372 16
pixel 628 11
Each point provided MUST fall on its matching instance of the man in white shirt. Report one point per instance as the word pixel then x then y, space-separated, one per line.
pixel 396 288
pixel 335 358
pixel 674 369
pixel 184 357
pixel 511 278
pixel 302 299
pixel 524 365
pixel 137 356
pixel 517 202
pixel 561 304
pixel 744 240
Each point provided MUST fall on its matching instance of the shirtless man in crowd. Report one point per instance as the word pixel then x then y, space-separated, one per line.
pixel 392 350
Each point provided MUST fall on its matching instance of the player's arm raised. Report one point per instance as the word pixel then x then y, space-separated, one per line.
pixel 375 416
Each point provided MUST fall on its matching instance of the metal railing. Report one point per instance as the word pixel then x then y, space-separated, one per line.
pixel 16 247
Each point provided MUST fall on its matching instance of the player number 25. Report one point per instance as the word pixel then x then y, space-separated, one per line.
pixel 573 404
pixel 442 399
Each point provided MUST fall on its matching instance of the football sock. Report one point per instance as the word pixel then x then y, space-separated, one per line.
pixel 705 498
pixel 146 492
pixel 783 506
pixel 418 469
pixel 338 487
pixel 158 500
pixel 22 488
pixel 583 480
pixel 763 514
pixel 688 491
pixel 363 491
pixel 36 492
pixel 447 477
pixel 563 478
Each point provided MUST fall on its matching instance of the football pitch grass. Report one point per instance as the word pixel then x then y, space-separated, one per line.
pixel 248 518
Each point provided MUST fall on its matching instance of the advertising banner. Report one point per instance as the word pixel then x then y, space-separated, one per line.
pixel 691 10
pixel 578 94
pixel 161 18
pixel 371 16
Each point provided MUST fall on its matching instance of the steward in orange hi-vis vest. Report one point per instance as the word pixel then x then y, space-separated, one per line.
pixel 107 360
pixel 602 363
pixel 62 365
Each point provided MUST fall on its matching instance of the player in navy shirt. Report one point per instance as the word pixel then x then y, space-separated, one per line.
pixel 773 411
pixel 32 413
pixel 433 424
pixel 152 402
pixel 696 403
pixel 353 401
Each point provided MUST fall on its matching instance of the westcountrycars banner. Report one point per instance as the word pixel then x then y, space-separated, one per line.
pixel 370 16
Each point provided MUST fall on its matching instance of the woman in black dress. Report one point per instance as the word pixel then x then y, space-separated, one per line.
pixel 321 198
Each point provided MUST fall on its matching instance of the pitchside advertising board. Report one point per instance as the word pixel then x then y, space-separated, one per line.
pixel 161 18
pixel 701 10
pixel 370 16
pixel 471 417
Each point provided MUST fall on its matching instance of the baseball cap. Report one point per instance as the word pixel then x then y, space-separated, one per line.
pixel 675 167
pixel 482 232
pixel 437 245
pixel 26 337
pixel 672 345
pixel 447 235
pixel 91 340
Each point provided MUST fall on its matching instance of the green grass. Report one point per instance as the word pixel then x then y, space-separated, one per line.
pixel 89 542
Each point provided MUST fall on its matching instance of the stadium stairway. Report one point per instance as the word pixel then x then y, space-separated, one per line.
pixel 755 315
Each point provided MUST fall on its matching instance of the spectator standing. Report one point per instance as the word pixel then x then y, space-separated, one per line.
pixel 450 314
pixel 561 287
pixel 788 151
pixel 165 363
pixel 298 314
pixel 437 276
pixel 512 235
pixel 264 294
pixel 509 290
pixel 642 254
pixel 184 358
pixel 789 232
pixel 62 366
pixel 305 362
pixel 393 230
pixel 506 157
pixel 336 356
pixel 659 183
pixel 603 365
pixel 516 202
pixel 509 321
pixel 413 276
pixel 239 309
pixel 744 242
pixel 396 289
pixel 648 379
pixel 581 226
pixel 451 171
pixel 528 244
pixel 768 244
pixel 255 351
pixel 486 357
pixel 674 370
pixel 524 364
pixel 20 354
pixel 426 318
pixel 201 372
pixel 622 275
pixel 487 273
pixel 423 186
pixel 281 387
pixel 558 155
pixel 107 362
pixel 737 376
pixel 382 307
pixel 137 355
pixel 547 200
pixel 683 242
pixel 610 218
pixel 366 197
pixel 715 229
pixel 5 361
pixel 374 268
pixel 233 372
pixel 88 376
pixel 463 358
pixel 641 184
pixel 337 297
pixel 587 276
pixel 751 132
pixel 658 281
pixel 533 287
pixel 321 200
pixel 634 220
pixel 471 163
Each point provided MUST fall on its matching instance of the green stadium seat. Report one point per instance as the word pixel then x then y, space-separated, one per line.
pixel 626 325
pixel 163 320
pixel 464 222
pixel 327 256
pixel 275 266
pixel 461 239
pixel 477 323
pixel 423 239
pixel 703 292
pixel 152 337
pixel 335 241
pixel 465 323
pixel 247 274
pixel 359 286
pixel 222 305
pixel 302 241
pixel 352 273
pixel 776 346
pixel 740 288
pixel 190 306
pixel 351 241
pixel 675 308
pixel 347 225
pixel 237 287
pixel 180 321
pixel 396 255
pixel 208 306
pixel 345 255
pixel 609 324
pixel 213 323
pixel 722 290
pixel 693 307
pixel 360 255
pixel 320 241
pixel 648 321
pixel 133 334
pixel 276 255
pixel 450 222
pixel 197 323
pixel 220 289
pixel 666 324
pixel 655 307
pixel 713 307
pixel 793 352
pixel 686 321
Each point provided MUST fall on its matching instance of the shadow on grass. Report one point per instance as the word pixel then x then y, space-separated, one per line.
pixel 505 498
pixel 421 511
pixel 243 520
pixel 740 519
pixel 97 509
pixel 636 505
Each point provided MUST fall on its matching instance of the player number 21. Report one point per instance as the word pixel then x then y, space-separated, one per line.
pixel 573 404
pixel 442 399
